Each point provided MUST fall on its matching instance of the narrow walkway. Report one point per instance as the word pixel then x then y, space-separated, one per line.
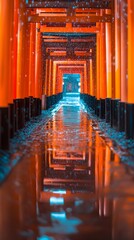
pixel 69 184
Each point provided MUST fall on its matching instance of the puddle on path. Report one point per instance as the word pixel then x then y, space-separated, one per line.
pixel 70 186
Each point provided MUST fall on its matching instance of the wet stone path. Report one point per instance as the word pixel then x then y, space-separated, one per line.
pixel 69 185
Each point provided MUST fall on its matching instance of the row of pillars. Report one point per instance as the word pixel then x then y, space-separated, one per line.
pixel 111 90
pixel 21 69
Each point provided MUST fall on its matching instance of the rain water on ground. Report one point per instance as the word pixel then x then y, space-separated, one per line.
pixel 69 185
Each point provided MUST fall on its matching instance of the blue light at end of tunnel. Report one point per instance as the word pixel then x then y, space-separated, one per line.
pixel 56 201
pixel 45 238
pixel 58 215
pixel 60 191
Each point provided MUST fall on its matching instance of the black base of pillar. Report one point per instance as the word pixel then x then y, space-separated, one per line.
pixel 129 121
pixel 48 102
pixel 16 114
pixel 33 106
pixel 102 108
pixel 114 113
pixel 39 106
pixel 21 113
pixel 27 109
pixel 12 119
pixel 36 106
pixel 97 107
pixel 93 103
pixel 52 100
pixel 4 128
pixel 121 117
pixel 107 109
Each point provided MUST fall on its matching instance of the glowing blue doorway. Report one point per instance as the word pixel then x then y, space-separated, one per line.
pixel 71 85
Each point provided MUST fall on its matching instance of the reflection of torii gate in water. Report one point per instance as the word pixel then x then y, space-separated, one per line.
pixel 65 169
pixel 50 36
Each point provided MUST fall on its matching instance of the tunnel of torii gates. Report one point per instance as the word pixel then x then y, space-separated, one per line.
pixel 42 40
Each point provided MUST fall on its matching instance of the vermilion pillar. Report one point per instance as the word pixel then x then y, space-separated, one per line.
pixel 50 77
pixel 130 13
pixel 85 79
pixel 32 60
pixel 23 52
pixel 98 73
pixel 6 69
pixel 109 40
pixel 113 47
pixel 94 70
pixel 102 61
pixel 59 81
pixel 117 49
pixel 46 79
pixel 98 63
pixel 54 79
pixel 15 25
pixel 88 76
pixel 38 63
pixel 103 86
pixel 91 77
pixel 121 61
pixel 124 62
pixel 6 48
pixel 129 126
pixel 108 59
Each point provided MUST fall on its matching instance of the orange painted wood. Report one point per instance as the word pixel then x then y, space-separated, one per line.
pixel 15 47
pixel 32 61
pixel 103 90
pixel 113 48
pixel 124 51
pixel 6 50
pixel 108 60
pixel 68 29
pixel 38 63
pixel 130 51
pixel 98 65
pixel 23 48
pixel 117 49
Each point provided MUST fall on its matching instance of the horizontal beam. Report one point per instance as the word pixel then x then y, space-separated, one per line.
pixel 98 4
pixel 68 19
pixel 68 67
pixel 69 30
pixel 73 45
pixel 64 58
pixel 49 50
pixel 68 62
pixel 76 65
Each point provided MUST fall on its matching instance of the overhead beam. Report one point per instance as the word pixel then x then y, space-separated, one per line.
pixel 68 67
pixel 71 65
pixel 82 4
pixel 64 58
pixel 73 44
pixel 69 30
pixel 68 19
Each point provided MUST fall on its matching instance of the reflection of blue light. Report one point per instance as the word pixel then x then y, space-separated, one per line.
pixel 58 215
pixel 59 191
pixel 45 238
pixel 78 202
pixel 26 1
pixel 56 201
